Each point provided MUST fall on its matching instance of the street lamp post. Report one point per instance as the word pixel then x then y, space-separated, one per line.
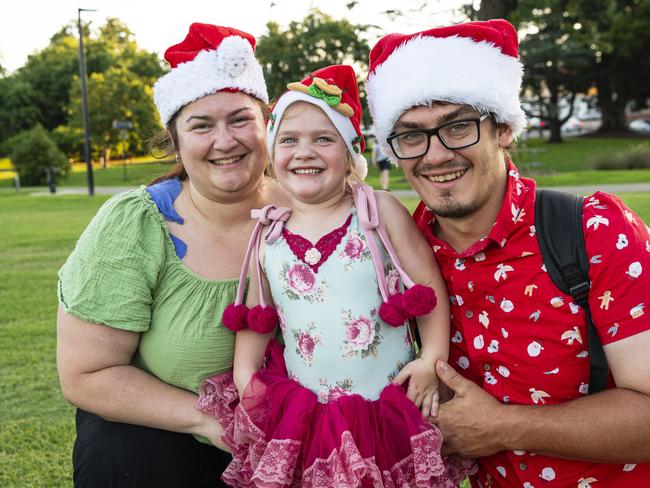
pixel 84 104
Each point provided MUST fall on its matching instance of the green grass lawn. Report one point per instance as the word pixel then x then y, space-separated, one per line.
pixel 37 430
pixel 574 154
pixel 37 424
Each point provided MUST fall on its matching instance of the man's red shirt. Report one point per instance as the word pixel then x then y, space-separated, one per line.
pixel 514 333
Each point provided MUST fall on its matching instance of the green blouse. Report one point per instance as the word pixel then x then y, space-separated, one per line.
pixel 124 273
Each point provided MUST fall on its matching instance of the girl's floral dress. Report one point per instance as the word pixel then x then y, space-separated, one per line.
pixel 323 411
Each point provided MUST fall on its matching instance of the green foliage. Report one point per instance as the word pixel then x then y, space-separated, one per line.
pixel 32 152
pixel 314 42
pixel 554 55
pixel 116 94
pixel 637 157
pixel 47 89
pixel 50 73
pixel 618 33
pixel 19 111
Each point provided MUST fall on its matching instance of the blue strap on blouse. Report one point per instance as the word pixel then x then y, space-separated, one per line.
pixel 164 194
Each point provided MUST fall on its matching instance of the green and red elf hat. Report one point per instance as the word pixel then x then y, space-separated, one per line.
pixel 210 59
pixel 334 89
pixel 475 63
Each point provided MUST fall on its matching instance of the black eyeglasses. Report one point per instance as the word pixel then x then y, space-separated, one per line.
pixel 457 134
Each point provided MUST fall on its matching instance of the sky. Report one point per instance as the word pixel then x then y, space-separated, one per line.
pixel 26 26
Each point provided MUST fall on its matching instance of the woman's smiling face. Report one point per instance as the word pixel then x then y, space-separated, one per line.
pixel 222 143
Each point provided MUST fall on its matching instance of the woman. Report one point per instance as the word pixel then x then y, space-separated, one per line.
pixel 142 294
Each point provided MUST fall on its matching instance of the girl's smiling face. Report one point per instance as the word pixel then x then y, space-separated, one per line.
pixel 310 159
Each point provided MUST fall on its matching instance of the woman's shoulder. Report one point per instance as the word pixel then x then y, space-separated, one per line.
pixel 128 216
pixel 128 208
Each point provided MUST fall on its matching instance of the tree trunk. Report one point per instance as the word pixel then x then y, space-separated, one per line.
pixel 613 112
pixel 554 127
pixel 106 156
pixel 612 106
pixel 553 111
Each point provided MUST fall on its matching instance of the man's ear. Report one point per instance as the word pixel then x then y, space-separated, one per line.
pixel 504 135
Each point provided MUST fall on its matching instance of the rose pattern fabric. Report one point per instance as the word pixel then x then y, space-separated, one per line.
pixel 354 250
pixel 301 283
pixel 329 319
pixel 306 342
pixel 393 281
pixel 362 333
pixel 333 392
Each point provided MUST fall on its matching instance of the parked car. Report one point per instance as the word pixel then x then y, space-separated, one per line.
pixel 573 126
pixel 640 125
pixel 591 115
pixel 536 123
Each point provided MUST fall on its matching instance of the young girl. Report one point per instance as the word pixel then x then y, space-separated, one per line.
pixel 345 401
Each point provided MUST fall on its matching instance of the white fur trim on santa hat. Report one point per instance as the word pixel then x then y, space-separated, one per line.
pixel 232 65
pixel 340 121
pixel 451 69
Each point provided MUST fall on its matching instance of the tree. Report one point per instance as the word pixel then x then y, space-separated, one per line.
pixel 51 84
pixel 314 42
pixel 618 35
pixel 491 9
pixel 50 73
pixel 33 152
pixel 116 94
pixel 115 47
pixel 556 61
pixel 19 111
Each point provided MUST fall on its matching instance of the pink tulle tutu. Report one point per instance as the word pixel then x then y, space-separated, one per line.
pixel 280 435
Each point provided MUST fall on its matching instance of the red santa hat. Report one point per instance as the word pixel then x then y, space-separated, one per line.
pixel 475 64
pixel 334 89
pixel 211 58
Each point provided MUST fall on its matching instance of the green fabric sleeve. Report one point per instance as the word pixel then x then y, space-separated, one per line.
pixel 110 276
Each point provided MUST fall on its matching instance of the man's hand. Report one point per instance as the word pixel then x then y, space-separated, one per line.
pixel 469 421
pixel 423 385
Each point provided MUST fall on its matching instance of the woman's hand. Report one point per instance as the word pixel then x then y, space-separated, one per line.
pixel 210 428
pixel 423 385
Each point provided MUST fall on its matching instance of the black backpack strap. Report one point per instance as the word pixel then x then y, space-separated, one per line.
pixel 558 223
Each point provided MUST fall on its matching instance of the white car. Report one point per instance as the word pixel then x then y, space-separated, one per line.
pixel 573 126
pixel 640 125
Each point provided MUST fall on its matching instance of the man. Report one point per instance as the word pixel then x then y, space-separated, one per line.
pixel 445 104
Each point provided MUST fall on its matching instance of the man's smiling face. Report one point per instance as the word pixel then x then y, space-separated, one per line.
pixel 455 183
